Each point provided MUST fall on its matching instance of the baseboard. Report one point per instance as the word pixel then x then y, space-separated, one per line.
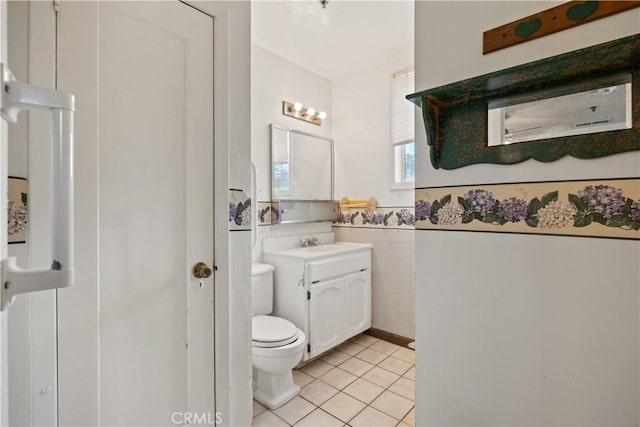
pixel 388 336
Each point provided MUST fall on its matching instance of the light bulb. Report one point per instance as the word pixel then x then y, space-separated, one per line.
pixel 311 112
pixel 297 106
pixel 322 115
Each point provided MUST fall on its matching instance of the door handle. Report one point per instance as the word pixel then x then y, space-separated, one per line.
pixel 201 270
pixel 15 97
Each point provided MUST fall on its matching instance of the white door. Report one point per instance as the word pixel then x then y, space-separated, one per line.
pixel 326 321
pixel 357 303
pixel 142 74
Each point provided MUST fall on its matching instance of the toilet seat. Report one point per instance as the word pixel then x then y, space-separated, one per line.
pixel 272 331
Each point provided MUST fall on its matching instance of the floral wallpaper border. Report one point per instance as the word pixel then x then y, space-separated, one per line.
pixel 267 213
pixel 239 210
pixel 391 217
pixel 607 208
pixel 17 210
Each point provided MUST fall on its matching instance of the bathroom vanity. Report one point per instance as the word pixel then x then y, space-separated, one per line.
pixel 324 290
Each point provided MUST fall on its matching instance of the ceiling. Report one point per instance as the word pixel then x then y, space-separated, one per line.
pixel 339 41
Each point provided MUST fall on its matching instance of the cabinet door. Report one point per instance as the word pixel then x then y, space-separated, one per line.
pixel 326 309
pixel 357 303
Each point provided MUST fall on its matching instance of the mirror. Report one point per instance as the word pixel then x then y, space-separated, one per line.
pixel 301 165
pixel 461 131
pixel 605 108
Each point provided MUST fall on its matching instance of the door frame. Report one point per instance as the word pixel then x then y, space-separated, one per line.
pixel 221 129
pixel 4 399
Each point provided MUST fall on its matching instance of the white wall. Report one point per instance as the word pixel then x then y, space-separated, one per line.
pixel 361 128
pixel 520 329
pixel 232 72
pixel 364 168
pixel 273 80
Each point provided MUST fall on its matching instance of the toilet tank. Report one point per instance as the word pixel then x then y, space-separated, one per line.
pixel 261 289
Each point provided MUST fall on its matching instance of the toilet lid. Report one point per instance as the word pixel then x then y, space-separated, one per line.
pixel 273 330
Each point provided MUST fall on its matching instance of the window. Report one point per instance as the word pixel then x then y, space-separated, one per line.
pixel 402 129
pixel 405 162
pixel 281 177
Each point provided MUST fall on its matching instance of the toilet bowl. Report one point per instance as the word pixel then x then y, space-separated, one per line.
pixel 277 345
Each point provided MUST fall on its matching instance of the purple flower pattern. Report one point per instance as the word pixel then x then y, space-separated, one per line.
pixel 602 204
pixel 603 199
pixel 480 200
pixel 405 217
pixel 634 213
pixel 513 209
pixel 233 208
pixel 423 210
pixel 391 218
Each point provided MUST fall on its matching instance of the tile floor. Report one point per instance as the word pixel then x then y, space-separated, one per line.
pixel 366 382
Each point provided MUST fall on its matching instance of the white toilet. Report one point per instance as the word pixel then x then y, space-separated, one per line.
pixel 277 344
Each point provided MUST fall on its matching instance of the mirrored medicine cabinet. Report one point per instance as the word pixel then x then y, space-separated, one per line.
pixel 301 176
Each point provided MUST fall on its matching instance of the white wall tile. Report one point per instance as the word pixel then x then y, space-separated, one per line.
pixel 392 276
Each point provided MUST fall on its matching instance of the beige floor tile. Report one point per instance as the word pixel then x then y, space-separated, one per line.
pixel 392 404
pixel 402 424
pixel 318 392
pixel 319 418
pixel 381 377
pixel 338 378
pixel 363 390
pixel 317 369
pixel 371 417
pixel 371 356
pixel 410 418
pixel 405 354
pixel 343 406
pixel 294 410
pixel 405 388
pixel 269 419
pixel 356 366
pixel 300 378
pixel 351 348
pixel 335 357
pixel 411 373
pixel 385 347
pixel 257 408
pixel 366 340
pixel 394 365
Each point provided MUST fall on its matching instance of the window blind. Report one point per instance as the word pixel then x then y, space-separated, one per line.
pixel 402 112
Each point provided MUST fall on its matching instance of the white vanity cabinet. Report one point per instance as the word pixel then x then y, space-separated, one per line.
pixel 326 315
pixel 325 293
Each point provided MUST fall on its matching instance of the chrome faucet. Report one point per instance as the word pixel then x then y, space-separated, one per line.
pixel 309 241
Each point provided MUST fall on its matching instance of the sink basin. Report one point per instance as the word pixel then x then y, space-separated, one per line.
pixel 328 249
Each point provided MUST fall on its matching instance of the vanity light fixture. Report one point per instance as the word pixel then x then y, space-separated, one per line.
pixel 297 111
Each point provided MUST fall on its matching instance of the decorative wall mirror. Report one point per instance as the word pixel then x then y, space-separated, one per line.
pixel 301 165
pixel 584 103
